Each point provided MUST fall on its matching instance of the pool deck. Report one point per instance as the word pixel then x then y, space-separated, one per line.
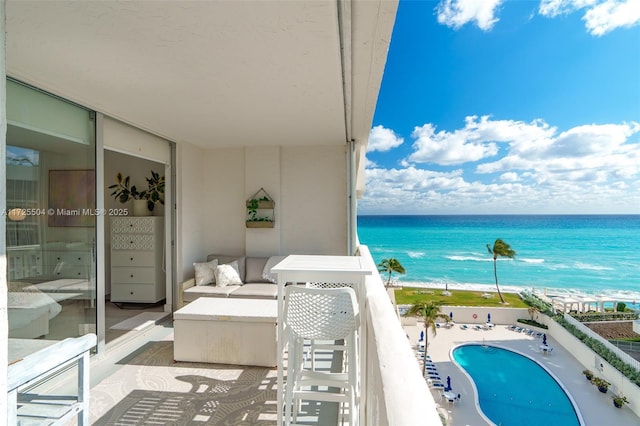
pixel 595 407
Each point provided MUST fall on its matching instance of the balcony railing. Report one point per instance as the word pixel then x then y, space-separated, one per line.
pixel 396 393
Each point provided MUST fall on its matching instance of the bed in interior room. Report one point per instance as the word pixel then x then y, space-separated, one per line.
pixel 29 310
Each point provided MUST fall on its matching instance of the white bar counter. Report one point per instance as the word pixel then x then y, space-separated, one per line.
pixel 320 268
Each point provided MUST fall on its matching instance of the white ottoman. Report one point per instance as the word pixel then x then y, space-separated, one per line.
pixel 226 331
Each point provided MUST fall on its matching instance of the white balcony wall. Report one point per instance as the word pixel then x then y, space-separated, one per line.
pixel 307 183
pixel 314 200
pixel 222 201
pixel 395 393
pixel 191 191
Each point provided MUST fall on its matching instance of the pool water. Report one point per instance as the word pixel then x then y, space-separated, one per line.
pixel 513 389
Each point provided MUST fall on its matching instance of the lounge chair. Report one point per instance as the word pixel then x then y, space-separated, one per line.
pixel 477 327
pixel 464 326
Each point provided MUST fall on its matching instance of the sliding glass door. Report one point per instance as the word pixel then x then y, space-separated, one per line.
pixel 50 217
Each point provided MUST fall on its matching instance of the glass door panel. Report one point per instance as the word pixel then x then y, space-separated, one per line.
pixel 51 226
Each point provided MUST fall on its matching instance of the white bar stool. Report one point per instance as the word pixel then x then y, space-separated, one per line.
pixel 321 314
pixel 327 346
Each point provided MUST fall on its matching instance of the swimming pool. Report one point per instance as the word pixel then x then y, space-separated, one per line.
pixel 513 389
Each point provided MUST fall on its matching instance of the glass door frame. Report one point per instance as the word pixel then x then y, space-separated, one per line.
pixel 99 244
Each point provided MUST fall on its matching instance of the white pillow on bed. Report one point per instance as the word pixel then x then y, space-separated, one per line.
pixel 228 274
pixel 205 272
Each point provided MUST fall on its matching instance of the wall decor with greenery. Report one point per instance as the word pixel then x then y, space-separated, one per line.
pixel 260 210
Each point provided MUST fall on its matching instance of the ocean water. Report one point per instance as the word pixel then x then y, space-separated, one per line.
pixel 594 254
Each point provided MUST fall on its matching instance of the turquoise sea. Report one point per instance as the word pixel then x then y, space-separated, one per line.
pixel 594 254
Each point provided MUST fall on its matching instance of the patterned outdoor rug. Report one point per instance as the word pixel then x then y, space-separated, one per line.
pixel 151 389
pixel 140 321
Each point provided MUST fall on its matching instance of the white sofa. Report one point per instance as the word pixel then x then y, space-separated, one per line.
pixel 252 271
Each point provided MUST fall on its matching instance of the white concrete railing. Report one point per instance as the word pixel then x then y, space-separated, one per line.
pixel 37 366
pixel 626 358
pixel 592 361
pixel 480 314
pixel 396 393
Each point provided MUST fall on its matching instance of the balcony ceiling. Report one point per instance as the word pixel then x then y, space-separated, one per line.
pixel 212 73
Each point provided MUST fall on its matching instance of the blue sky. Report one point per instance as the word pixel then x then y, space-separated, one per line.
pixel 495 106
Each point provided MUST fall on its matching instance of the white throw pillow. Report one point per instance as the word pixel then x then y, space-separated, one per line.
pixel 271 262
pixel 205 272
pixel 227 275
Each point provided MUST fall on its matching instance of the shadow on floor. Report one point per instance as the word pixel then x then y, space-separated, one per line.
pixel 248 400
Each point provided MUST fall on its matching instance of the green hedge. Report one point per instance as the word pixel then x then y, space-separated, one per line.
pixel 533 323
pixel 605 316
pixel 543 307
pixel 604 352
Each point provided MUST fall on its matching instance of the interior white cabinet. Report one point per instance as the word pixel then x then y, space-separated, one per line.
pixel 136 259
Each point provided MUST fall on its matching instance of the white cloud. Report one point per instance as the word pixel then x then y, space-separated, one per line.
pixel 382 139
pixel 601 16
pixel 368 164
pixel 456 13
pixel 476 141
pixel 509 177
pixel 417 191
pixel 610 15
pixel 446 148
pixel 576 154
pixel 553 8
pixel 592 139
pixel 585 169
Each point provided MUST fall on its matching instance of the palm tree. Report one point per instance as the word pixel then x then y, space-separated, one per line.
pixel 533 312
pixel 389 266
pixel 500 248
pixel 430 312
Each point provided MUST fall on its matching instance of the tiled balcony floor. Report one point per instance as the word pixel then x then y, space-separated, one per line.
pixel 139 383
